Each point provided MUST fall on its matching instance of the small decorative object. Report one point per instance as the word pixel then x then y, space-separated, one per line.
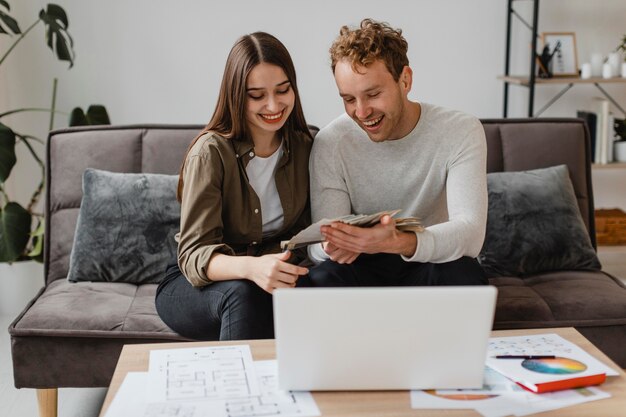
pixel 619 146
pixel 619 150
pixel 596 64
pixel 607 70
pixel 585 71
pixel 614 60
pixel 623 69
pixel 544 61
pixel 562 50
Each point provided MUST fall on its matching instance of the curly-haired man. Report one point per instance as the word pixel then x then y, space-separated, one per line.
pixel 388 152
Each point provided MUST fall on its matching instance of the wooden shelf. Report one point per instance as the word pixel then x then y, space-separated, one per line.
pixel 525 81
pixel 610 165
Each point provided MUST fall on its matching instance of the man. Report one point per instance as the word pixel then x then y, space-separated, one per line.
pixel 388 152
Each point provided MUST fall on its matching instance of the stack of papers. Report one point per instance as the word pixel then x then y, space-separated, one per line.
pixel 220 381
pixel 312 234
pixel 502 396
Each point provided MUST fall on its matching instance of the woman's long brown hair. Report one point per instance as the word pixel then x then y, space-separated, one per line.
pixel 229 118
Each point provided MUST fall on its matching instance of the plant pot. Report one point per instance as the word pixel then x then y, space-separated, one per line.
pixel 19 283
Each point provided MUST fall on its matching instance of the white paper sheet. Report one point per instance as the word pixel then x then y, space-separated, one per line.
pixel 205 373
pixel 132 399
pixel 501 397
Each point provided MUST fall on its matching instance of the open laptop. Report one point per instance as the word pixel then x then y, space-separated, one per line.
pixel 382 338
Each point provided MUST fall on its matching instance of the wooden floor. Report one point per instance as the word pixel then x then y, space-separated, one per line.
pixel 86 402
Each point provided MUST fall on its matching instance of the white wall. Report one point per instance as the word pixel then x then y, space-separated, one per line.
pixel 162 61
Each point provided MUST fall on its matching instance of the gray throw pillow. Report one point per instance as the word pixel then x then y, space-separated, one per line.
pixel 126 227
pixel 534 225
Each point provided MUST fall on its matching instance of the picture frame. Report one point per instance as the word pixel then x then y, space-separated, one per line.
pixel 561 47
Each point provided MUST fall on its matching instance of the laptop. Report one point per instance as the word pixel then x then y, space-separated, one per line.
pixel 391 338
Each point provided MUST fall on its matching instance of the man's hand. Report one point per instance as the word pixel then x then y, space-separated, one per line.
pixel 381 238
pixel 341 256
pixel 272 271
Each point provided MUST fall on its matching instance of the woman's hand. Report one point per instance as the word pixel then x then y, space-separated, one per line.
pixel 272 271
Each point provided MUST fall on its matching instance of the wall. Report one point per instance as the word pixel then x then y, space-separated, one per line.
pixel 162 61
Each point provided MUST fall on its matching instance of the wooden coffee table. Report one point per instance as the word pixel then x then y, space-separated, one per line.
pixel 134 358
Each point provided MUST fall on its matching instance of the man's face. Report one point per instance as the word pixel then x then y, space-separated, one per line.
pixel 377 102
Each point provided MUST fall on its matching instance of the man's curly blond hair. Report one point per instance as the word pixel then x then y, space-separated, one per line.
pixel 370 42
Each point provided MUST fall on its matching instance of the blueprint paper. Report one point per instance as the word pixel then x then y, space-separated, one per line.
pixel 203 373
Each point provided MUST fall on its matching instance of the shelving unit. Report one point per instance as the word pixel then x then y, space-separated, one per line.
pixel 531 80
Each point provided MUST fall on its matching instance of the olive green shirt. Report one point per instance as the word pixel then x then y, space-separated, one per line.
pixel 220 211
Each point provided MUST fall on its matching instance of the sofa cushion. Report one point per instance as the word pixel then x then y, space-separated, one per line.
pixel 560 299
pixel 66 309
pixel 126 227
pixel 534 225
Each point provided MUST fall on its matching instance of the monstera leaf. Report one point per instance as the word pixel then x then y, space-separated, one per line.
pixel 7 151
pixel 96 115
pixel 15 223
pixel 7 20
pixel 57 37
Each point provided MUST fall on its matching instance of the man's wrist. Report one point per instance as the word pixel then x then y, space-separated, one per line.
pixel 405 244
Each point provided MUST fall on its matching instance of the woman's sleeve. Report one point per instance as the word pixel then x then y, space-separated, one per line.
pixel 201 216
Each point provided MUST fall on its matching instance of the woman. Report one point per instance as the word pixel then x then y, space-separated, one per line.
pixel 243 188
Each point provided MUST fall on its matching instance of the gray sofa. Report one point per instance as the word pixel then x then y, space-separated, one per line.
pixel 70 334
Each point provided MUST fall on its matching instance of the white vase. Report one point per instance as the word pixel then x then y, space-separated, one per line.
pixel 19 283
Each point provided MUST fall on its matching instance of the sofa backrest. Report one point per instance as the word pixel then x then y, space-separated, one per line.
pixel 523 144
pixel 513 145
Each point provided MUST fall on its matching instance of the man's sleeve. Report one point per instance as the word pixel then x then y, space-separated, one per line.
pixel 329 194
pixel 466 192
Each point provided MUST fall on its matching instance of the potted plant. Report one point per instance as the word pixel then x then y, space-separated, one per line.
pixel 21 226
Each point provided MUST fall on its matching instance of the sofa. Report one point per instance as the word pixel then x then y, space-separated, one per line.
pixel 71 334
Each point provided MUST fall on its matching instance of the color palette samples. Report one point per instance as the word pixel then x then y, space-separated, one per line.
pixel 556 366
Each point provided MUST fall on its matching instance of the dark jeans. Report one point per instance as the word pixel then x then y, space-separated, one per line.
pixel 391 270
pixel 224 310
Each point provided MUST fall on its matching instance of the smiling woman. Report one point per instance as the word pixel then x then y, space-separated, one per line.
pixel 243 188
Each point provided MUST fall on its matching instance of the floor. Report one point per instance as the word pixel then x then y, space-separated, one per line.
pixel 613 260
pixel 86 402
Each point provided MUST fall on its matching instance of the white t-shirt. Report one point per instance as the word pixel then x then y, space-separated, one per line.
pixel 261 173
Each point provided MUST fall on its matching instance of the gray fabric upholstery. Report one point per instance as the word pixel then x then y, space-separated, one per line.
pixel 156 149
pixel 126 227
pixel 54 346
pixel 534 225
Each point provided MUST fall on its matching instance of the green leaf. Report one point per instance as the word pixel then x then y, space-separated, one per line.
pixel 7 152
pixel 97 115
pixel 5 4
pixel 56 22
pixel 37 236
pixel 15 223
pixel 78 118
pixel 9 21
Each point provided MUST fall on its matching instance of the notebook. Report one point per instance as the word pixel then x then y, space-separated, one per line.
pixel 391 338
pixel 545 362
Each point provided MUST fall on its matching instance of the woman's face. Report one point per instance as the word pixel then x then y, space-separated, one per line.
pixel 270 99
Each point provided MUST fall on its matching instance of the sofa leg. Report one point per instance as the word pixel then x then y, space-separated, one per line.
pixel 47 400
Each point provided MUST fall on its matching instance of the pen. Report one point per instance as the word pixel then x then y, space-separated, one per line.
pixel 524 357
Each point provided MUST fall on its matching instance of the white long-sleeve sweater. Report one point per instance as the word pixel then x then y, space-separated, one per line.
pixel 437 173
